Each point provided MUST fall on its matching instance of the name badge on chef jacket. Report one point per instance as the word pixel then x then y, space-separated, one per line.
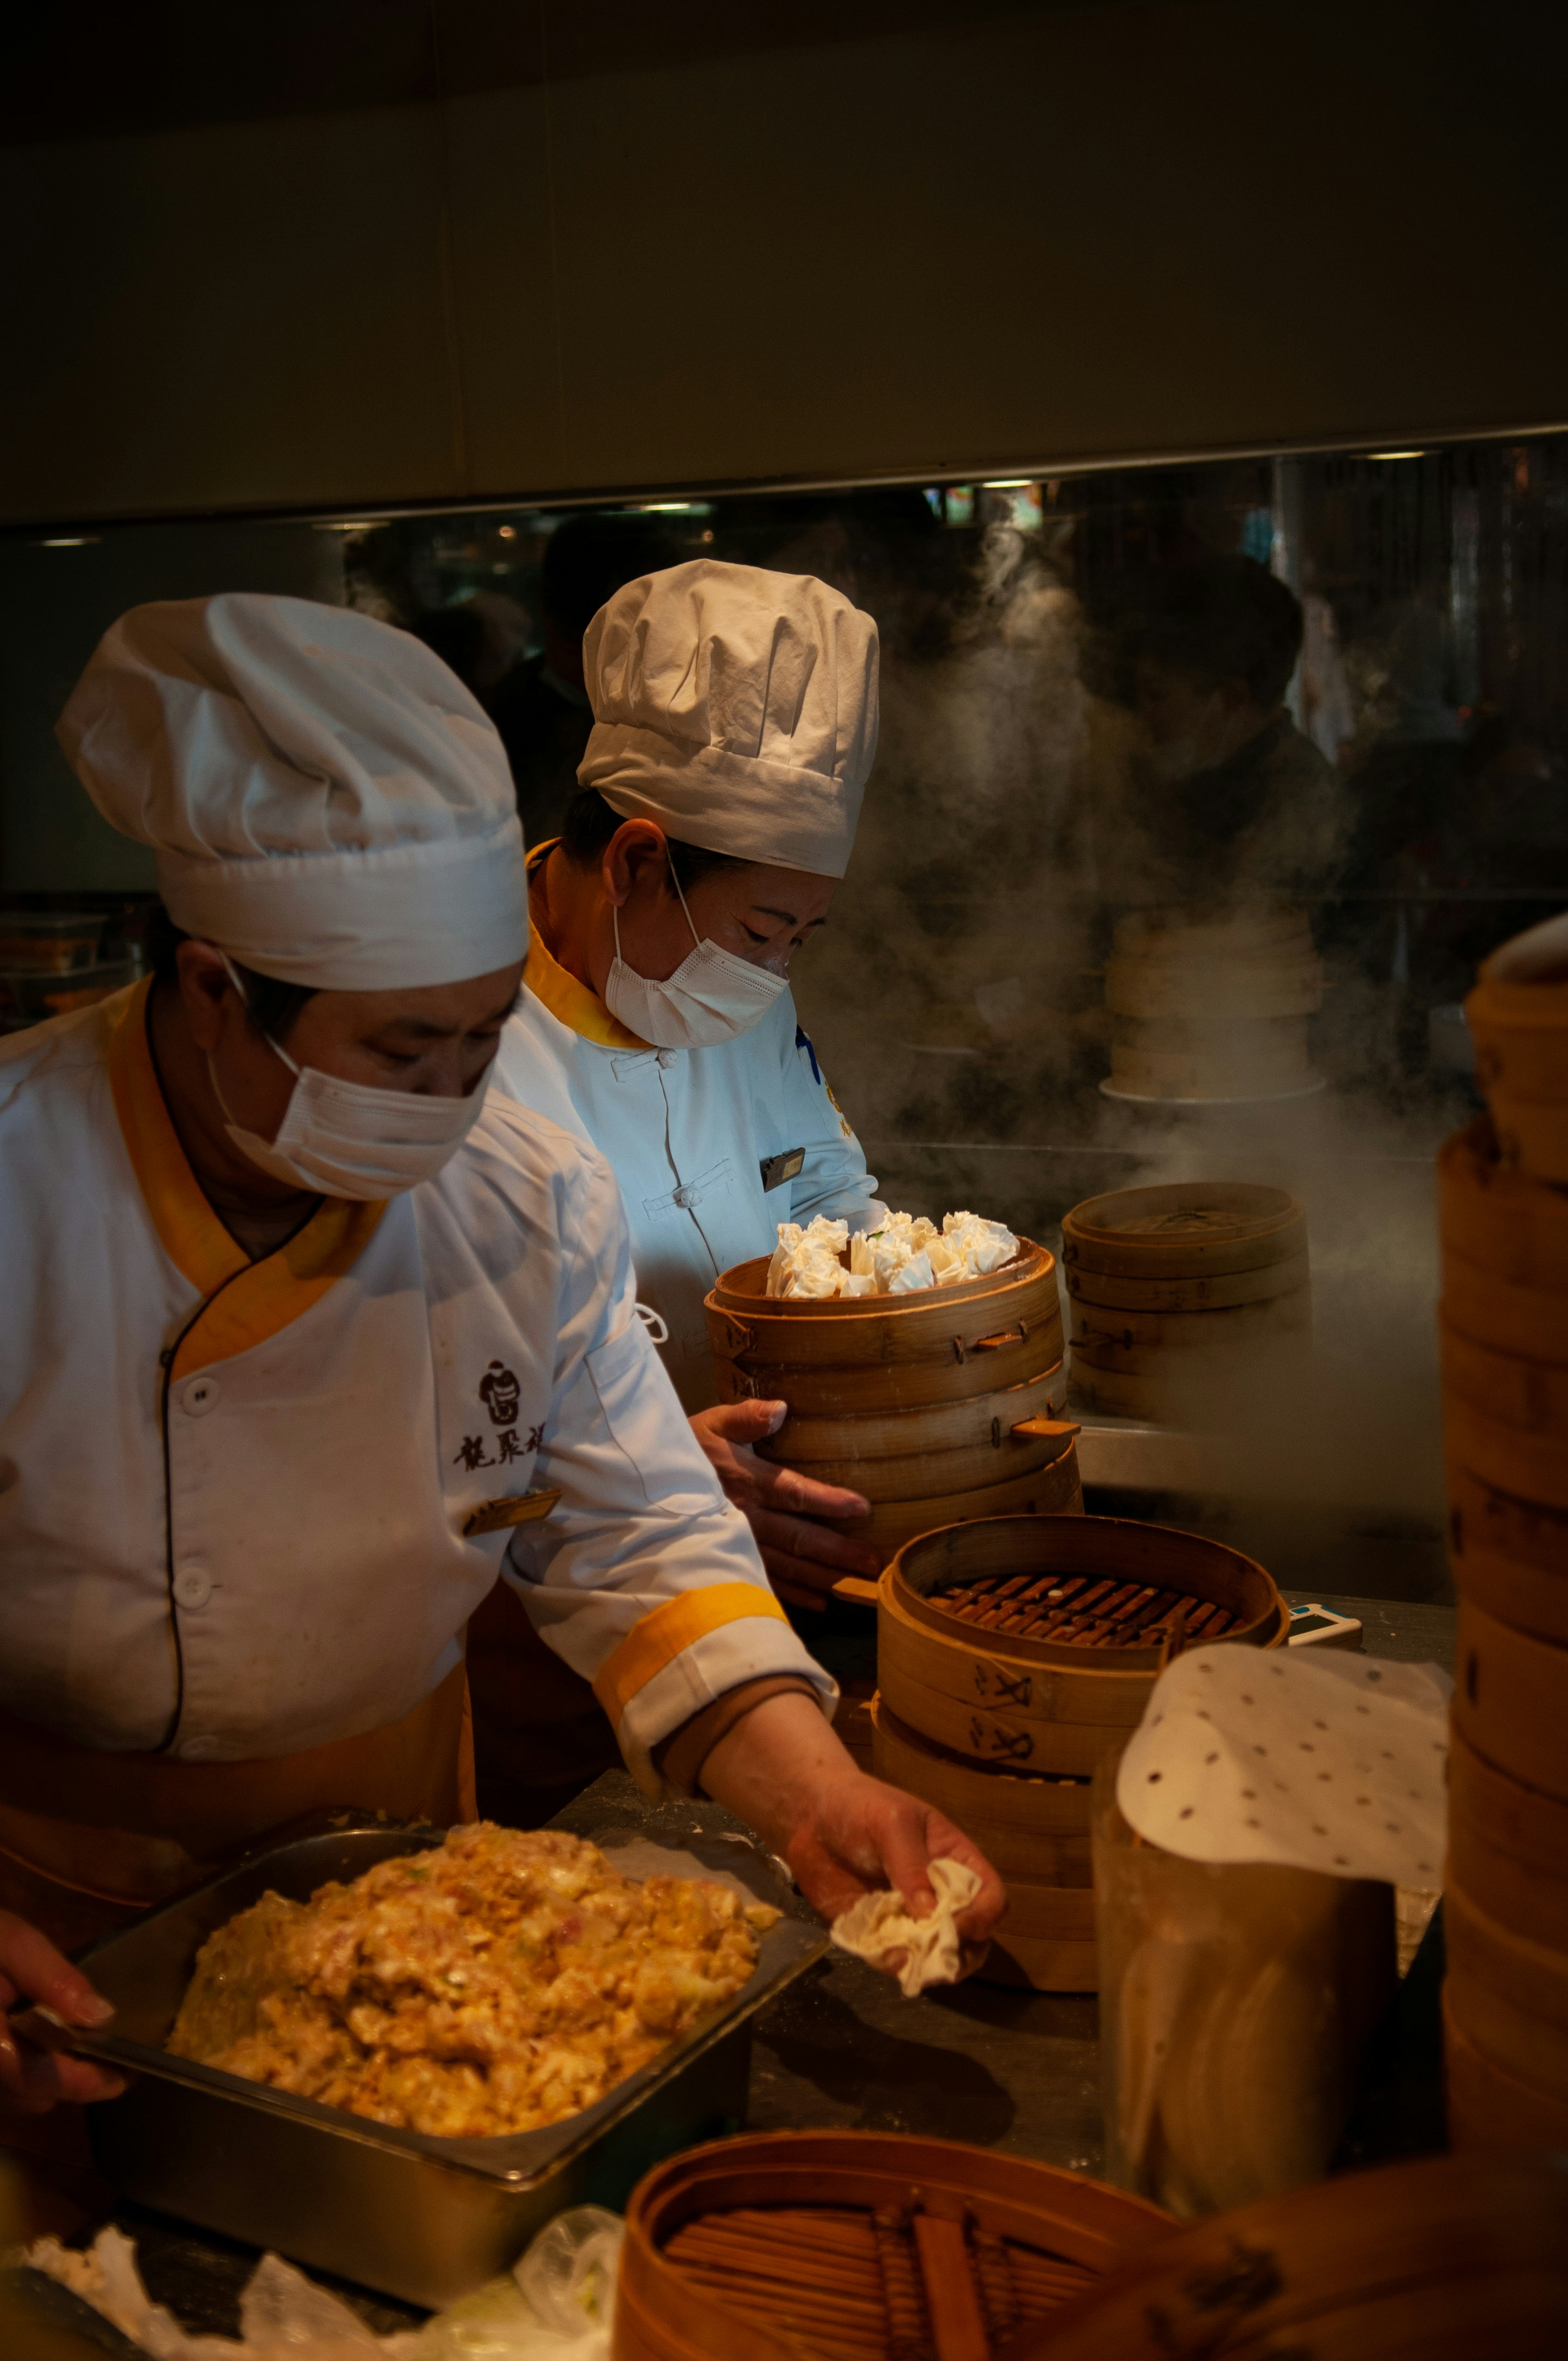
pixel 777 1170
pixel 520 1508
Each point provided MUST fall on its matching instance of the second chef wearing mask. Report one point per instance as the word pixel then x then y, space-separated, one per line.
pixel 735 723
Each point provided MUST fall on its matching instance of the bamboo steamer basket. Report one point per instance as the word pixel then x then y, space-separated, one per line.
pixel 1511 1700
pixel 1449 2258
pixel 1532 1395
pixel 1517 1015
pixel 1051 1705
pixel 1187 1385
pixel 1027 1824
pixel 858 2245
pixel 1509 1997
pixel 1173 1057
pixel 1490 2111
pixel 1141 1342
pixel 1195 963
pixel 978 1419
pixel 1503 1315
pixel 1054 1491
pixel 1508 1847
pixel 1220 1291
pixel 944 1475
pixel 1528 1464
pixel 1498 1221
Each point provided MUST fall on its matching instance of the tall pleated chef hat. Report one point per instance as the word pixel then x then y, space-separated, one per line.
pixel 737 708
pixel 326 801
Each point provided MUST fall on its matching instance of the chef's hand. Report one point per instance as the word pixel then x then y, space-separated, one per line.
pixel 804 1558
pixel 33 2078
pixel 843 1834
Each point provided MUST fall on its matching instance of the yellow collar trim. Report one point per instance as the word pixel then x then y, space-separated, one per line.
pixel 576 1007
pixel 246 1302
pixel 669 1630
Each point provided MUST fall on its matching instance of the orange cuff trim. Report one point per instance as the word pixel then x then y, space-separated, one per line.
pixel 251 1301
pixel 669 1631
pixel 563 994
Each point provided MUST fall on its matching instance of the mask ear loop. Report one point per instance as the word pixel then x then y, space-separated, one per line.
pixel 615 918
pixel 276 1047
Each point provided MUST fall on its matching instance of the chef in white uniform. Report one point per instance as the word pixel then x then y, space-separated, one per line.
pixel 307 1337
pixel 735 724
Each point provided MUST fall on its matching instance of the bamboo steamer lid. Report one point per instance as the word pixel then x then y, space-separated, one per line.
pixel 1528 1321
pixel 1184 1229
pixel 1220 1291
pixel 935 1473
pixel 1040 1824
pixel 761 2248
pixel 1531 1395
pixel 1529 1467
pixel 1520 1021
pixel 1511 1557
pixel 1054 1491
pixel 1446 2259
pixel 1492 2112
pixel 979 1418
pixel 1499 1221
pixel 1508 1700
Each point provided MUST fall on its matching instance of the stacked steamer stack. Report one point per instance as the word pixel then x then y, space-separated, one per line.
pixel 1180 1292
pixel 1503 1207
pixel 1012 1657
pixel 1211 1004
pixel 937 1405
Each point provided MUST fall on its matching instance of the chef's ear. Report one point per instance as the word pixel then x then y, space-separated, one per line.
pixel 635 852
pixel 204 982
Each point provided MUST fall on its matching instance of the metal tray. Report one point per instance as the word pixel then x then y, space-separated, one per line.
pixel 418 2217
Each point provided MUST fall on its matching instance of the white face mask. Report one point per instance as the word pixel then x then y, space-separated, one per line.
pixel 712 997
pixel 346 1140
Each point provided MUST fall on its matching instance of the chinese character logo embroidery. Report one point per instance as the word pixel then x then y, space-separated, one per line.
pixel 501 1395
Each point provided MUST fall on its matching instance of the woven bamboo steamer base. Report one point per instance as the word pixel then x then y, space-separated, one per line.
pixel 663 2314
pixel 1013 1811
pixel 1226 1228
pixel 1509 1556
pixel 1498 1221
pixel 1510 1458
pixel 942 1475
pixel 979 1418
pixel 1188 1295
pixel 1497 1965
pixel 1445 2259
pixel 1055 1490
pixel 1511 1700
pixel 1158 1557
pixel 1530 1395
pixel 1528 1321
pixel 745 1324
pixel 1490 2111
pixel 1529 2047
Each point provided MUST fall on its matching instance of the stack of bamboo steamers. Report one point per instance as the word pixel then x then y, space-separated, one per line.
pixel 937 1405
pixel 1503 1208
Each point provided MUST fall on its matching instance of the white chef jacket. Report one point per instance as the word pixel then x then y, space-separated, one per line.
pixel 247 1508
pixel 688 1133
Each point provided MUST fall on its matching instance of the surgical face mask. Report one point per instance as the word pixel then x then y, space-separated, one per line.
pixel 346 1139
pixel 712 997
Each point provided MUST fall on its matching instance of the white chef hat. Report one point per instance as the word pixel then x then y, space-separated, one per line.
pixel 736 708
pixel 326 799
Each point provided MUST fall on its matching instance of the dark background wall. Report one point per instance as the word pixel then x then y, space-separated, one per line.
pixel 291 256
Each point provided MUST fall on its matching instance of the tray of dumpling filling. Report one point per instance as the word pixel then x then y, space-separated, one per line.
pixel 393 2053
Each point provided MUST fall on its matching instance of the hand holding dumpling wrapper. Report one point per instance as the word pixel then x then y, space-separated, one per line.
pixel 907 1254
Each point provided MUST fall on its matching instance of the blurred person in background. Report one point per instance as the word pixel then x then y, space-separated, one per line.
pixel 1231 801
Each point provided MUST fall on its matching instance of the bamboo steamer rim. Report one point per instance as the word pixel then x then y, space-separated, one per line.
pixel 1535 962
pixel 1472 1173
pixel 740 1290
pixel 1525 1532
pixel 1525 1822
pixel 1066 2213
pixel 899 1429
pixel 999 1776
pixel 1072 1544
pixel 1258 1207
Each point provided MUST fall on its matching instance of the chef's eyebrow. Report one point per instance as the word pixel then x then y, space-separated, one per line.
pixel 766 910
pixel 420 1028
